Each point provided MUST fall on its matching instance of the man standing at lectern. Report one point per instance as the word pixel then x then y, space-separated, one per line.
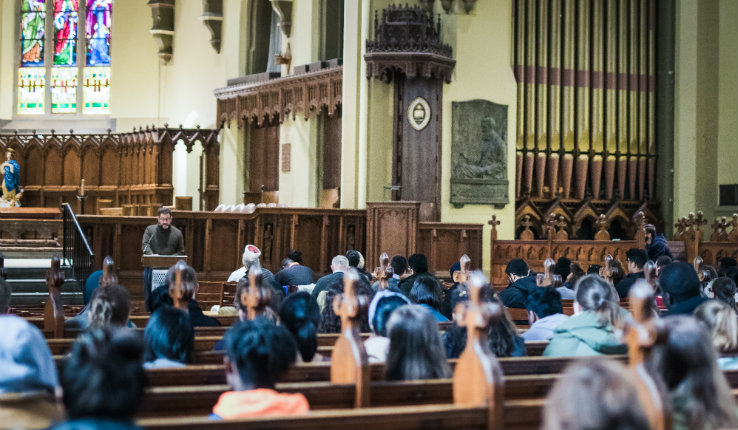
pixel 161 238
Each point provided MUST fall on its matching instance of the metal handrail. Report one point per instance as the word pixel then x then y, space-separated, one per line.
pixel 75 248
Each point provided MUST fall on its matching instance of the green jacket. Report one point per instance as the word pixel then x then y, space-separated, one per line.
pixel 583 335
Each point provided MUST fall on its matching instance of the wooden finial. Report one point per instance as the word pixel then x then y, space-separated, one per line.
pixel 527 234
pixel 108 277
pixel 641 335
pixel 649 270
pixel 478 378
pixel 177 290
pixel 256 296
pixel 349 362
pixel 602 224
pixel 608 271
pixel 462 275
pixel 561 225
pixel 697 263
pixel 548 278
pixel 54 308
pixel 550 225
pixel 380 272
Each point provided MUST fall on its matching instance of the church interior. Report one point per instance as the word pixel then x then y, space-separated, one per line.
pixel 582 130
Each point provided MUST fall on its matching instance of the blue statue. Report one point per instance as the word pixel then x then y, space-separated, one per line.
pixel 11 181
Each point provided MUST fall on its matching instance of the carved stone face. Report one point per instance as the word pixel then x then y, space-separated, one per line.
pixel 488 125
pixel 8 155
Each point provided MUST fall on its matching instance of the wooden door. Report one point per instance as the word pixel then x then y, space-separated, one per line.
pixel 264 158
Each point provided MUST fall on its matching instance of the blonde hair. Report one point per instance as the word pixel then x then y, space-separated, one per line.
pixel 722 322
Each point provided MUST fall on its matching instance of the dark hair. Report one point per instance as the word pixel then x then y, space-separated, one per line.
pixel 104 376
pixel 110 305
pixel 260 350
pixel 415 350
pixel 594 395
pixel 164 210
pixel 300 315
pixel 169 334
pixel 544 302
pixel 418 263
pixel 329 321
pixel 518 267
pixel 189 281
pixel 725 289
pixel 399 264
pixel 687 362
pixel 563 267
pixel 285 263
pixel 663 261
pixel 354 257
pixel 680 281
pixel 295 256
pixel 576 272
pixel 5 293
pixel 650 228
pixel 426 291
pixel 594 269
pixel 727 262
pixel 160 297
pixel 385 307
pixel 637 257
pixel 594 294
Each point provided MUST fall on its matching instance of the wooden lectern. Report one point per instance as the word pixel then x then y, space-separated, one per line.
pixel 159 264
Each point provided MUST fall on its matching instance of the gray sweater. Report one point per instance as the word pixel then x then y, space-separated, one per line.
pixel 157 240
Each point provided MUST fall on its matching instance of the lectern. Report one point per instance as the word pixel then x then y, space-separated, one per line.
pixel 155 272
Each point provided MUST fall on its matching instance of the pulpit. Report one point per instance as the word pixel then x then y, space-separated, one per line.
pixel 155 272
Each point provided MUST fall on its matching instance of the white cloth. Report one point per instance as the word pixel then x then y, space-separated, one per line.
pixel 543 329
pixel 377 348
pixel 237 274
pixel 162 363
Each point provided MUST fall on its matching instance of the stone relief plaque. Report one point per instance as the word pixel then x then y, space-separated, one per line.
pixel 418 113
pixel 479 153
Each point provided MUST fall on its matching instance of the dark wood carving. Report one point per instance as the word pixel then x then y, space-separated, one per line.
pixel 390 227
pixel 162 27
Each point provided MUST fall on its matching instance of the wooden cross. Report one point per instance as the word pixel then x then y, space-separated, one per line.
pixel 256 297
pixel 349 362
pixel 54 308
pixel 602 224
pixel 607 272
pixel 462 276
pixel 641 334
pixel 562 225
pixel 699 221
pixel 681 227
pixel 478 378
pixel 108 277
pixel 176 290
pixel 494 222
pixel 380 273
pixel 717 229
pixel 548 278
pixel 550 225
pixel 527 234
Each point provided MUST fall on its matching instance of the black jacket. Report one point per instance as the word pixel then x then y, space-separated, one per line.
pixel 686 307
pixel 516 294
pixel 624 285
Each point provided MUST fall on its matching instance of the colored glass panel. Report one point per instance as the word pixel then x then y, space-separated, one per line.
pixel 33 5
pixel 97 31
pixel 32 39
pixel 65 32
pixel 96 91
pixel 31 90
pixel 63 90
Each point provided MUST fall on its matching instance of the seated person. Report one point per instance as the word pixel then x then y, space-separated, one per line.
pixel 169 339
pixel 575 273
pixel 656 244
pixel 591 330
pixel 380 309
pixel 399 266
pixel 681 288
pixel 545 313
pixel 635 259
pixel 415 351
pixel 339 264
pixel 300 315
pixel 419 266
pixel 522 282
pixel 329 321
pixel 295 273
pixel 724 290
pixel 594 395
pixel 662 262
pixel 103 381
pixel 27 372
pixel 81 320
pixel 427 293
pixel 250 257
pixel 720 319
pixel 502 335
pixel 189 287
pixel 257 354
pixel 110 306
pixel 356 260
pixel 699 393
pixel 727 266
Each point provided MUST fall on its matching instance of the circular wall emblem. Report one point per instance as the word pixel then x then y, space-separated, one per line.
pixel 418 113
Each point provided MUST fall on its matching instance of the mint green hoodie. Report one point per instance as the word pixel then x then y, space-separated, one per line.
pixel 584 335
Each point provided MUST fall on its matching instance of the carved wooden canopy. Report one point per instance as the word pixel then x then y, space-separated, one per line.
pixel 408 41
pixel 277 98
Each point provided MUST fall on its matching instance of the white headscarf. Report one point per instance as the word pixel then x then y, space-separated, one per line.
pixel 26 363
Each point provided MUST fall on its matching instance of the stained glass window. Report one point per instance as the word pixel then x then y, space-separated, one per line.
pixel 73 85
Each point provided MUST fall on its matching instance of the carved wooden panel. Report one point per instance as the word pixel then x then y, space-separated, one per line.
pixel 72 168
pixel 52 166
pixel 391 228
pixel 264 161
pixel 332 152
pixel 32 168
pixel 110 168
pixel 443 244
pixel 221 232
pixel 91 167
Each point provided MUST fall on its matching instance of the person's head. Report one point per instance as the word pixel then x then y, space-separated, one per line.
pixel 679 281
pixel 636 258
pixel 25 358
pixel 575 273
pixel 295 256
pixel 381 307
pixel 543 302
pixel 355 259
pixel 593 269
pixel 165 217
pixel 594 395
pixel 300 315
pixel 286 263
pixel 724 290
pixel 110 306
pixel 516 269
pixel 399 265
pixel 650 233
pixel 160 297
pixel 594 294
pixel 189 282
pixel 257 353
pixel 275 302
pixel 662 262
pixel 104 376
pixel 339 264
pixel 687 363
pixel 418 263
pixel 722 322
pixel 563 267
pixel 726 263
pixel 169 334
pixel 416 350
pixel 426 291
pixel 250 256
pixel 330 322
pixel 9 154
pixel 5 293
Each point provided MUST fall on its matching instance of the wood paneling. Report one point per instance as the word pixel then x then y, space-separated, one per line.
pixel 391 228
pixel 264 161
pixel 331 152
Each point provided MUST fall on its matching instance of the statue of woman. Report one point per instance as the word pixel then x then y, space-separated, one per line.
pixel 11 179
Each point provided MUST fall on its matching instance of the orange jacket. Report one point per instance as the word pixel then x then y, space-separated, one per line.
pixel 258 403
